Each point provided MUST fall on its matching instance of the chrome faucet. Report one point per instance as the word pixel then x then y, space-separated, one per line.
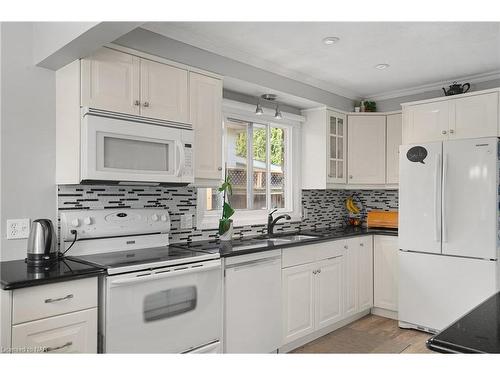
pixel 271 222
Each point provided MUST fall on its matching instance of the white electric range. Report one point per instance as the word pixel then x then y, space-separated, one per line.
pixel 155 298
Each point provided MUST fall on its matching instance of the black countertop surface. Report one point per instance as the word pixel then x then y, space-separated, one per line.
pixel 17 274
pixel 248 245
pixel 478 331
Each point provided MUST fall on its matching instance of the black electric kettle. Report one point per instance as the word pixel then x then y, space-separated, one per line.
pixel 456 88
pixel 42 243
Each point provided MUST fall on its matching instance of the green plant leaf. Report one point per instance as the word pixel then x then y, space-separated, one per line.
pixel 227 211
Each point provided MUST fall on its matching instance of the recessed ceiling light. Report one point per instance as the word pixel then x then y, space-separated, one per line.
pixel 329 40
pixel 382 66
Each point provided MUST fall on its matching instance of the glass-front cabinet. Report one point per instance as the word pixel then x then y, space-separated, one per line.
pixel 336 147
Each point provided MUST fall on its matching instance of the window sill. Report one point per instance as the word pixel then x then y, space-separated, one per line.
pixel 242 218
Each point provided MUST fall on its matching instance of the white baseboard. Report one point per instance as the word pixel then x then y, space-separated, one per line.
pixel 385 313
pixel 315 335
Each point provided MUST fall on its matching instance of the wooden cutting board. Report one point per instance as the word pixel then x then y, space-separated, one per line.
pixel 382 219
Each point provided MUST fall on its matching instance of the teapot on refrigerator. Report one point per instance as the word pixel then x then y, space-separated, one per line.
pixel 456 88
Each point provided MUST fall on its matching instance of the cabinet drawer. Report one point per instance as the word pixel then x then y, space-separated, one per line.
pixel 53 299
pixel 311 253
pixel 69 333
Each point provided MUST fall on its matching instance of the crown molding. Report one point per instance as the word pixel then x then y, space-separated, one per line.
pixel 476 78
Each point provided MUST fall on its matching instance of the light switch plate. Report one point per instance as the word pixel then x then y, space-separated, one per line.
pixel 18 228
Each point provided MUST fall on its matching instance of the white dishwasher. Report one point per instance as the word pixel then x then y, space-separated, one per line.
pixel 253 303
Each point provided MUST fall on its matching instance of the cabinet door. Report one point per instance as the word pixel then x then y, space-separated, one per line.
pixel 110 81
pixel 386 271
pixel 365 273
pixel 164 92
pixel 298 301
pixel 426 122
pixel 350 276
pixel 68 333
pixel 394 140
pixel 206 116
pixel 328 291
pixel 476 116
pixel 336 148
pixel 366 149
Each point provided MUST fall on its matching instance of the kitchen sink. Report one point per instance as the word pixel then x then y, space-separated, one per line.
pixel 293 238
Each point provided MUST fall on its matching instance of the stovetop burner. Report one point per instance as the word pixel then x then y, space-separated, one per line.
pixel 140 259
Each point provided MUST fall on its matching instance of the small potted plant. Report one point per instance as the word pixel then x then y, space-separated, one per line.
pixel 225 223
pixel 370 106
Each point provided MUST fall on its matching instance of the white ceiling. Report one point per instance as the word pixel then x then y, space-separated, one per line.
pixel 419 53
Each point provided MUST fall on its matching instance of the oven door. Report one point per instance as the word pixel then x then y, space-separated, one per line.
pixel 167 310
pixel 117 149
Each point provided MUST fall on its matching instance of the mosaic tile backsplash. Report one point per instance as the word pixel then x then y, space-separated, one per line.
pixel 321 208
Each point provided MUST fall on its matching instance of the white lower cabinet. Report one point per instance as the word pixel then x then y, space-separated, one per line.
pixel 298 301
pixel 328 292
pixel 68 333
pixel 386 272
pixel 358 275
pixel 365 273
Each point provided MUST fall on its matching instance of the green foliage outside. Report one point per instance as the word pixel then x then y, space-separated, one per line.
pixel 259 145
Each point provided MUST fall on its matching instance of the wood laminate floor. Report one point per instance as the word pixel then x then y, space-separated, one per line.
pixel 370 334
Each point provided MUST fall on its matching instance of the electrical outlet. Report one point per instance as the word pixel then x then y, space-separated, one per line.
pixel 18 228
pixel 186 221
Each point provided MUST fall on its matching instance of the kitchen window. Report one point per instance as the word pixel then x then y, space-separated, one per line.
pixel 258 159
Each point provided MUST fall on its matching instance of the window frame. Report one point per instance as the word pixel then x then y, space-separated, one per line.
pixel 210 219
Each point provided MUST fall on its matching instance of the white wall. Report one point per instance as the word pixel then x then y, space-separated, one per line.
pixel 28 187
pixel 52 36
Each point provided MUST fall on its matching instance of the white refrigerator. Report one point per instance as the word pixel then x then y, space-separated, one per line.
pixel 448 230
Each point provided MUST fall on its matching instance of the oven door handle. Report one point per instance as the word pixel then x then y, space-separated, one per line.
pixel 159 274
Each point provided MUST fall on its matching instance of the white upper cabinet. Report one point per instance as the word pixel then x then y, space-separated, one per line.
pixel 426 122
pixel 324 141
pixel 336 148
pixel 125 83
pixel 471 115
pixel 393 141
pixel 110 81
pixel 366 149
pixel 206 116
pixel 164 92
pixel 476 116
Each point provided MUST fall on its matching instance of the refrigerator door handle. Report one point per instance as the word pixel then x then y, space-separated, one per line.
pixel 443 197
pixel 437 232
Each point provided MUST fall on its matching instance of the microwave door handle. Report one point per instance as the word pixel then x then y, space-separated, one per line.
pixel 182 158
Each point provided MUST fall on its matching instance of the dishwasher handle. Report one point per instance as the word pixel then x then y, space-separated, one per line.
pixel 253 263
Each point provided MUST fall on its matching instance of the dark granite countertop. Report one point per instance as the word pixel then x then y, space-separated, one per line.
pixel 478 331
pixel 248 245
pixel 16 274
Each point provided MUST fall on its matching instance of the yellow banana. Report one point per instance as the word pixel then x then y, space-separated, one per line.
pixel 351 206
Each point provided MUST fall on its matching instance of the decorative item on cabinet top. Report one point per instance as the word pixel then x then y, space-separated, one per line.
pixel 456 88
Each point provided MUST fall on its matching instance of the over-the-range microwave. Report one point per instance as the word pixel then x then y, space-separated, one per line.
pixel 121 148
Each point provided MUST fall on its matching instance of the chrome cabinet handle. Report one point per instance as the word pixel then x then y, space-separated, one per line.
pixel 350 176
pixel 219 169
pixel 346 247
pixel 443 132
pixel 52 348
pixel 137 102
pixel 452 131
pixel 361 244
pixel 146 104
pixel 50 300
pixel 319 271
pixel 315 272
